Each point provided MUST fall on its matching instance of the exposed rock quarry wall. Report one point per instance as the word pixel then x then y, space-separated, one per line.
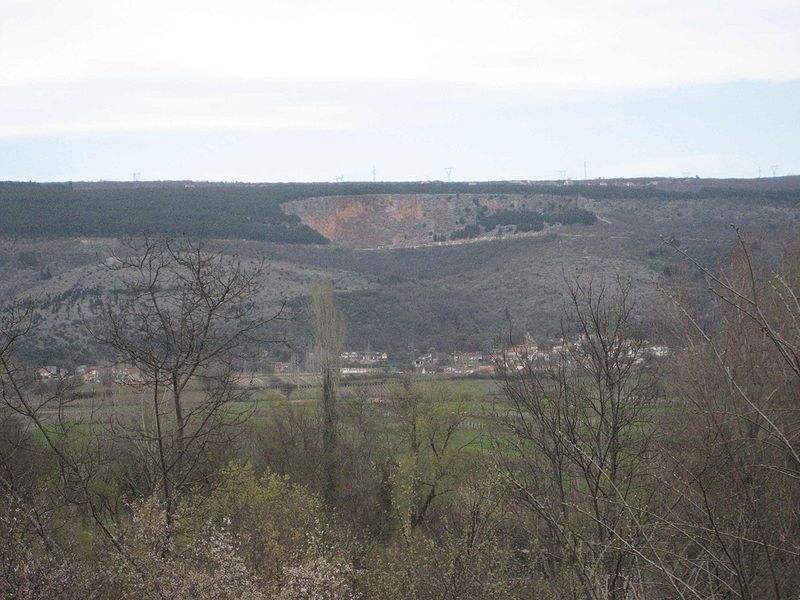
pixel 383 220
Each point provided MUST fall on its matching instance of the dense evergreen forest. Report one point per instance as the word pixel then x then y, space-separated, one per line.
pixel 523 221
pixel 253 211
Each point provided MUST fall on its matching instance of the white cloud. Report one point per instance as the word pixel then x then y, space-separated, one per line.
pixel 161 105
pixel 312 88
pixel 628 43
pixel 294 119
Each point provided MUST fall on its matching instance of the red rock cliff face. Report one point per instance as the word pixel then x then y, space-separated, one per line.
pixel 382 220
pixel 377 220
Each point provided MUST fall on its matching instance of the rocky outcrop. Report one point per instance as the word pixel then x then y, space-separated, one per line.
pixel 396 220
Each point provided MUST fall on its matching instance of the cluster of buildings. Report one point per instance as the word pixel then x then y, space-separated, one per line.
pixel 367 358
pixel 120 374
pixel 362 363
pixel 50 372
pixel 518 357
pixel 457 363
pixel 352 362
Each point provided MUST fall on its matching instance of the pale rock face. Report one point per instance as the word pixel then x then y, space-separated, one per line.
pixel 373 220
pixel 397 220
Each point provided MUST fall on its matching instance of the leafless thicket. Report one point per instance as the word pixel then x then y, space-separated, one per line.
pixel 731 468
pixel 597 474
pixel 182 318
pixel 185 319
pixel 579 435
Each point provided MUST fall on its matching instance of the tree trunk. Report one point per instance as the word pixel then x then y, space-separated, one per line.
pixel 329 434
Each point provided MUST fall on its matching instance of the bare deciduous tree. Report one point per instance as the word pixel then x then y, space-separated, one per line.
pixel 732 468
pixel 78 462
pixel 184 318
pixel 577 438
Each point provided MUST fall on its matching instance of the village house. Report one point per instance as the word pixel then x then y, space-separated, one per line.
pixel 426 363
pixel 367 357
pixel 467 359
pixel 657 351
pixel 126 374
pixel 48 372
pixel 281 367
pixel 87 374
pixel 356 370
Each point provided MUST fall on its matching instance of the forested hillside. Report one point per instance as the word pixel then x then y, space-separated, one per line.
pixel 254 211
pixel 402 290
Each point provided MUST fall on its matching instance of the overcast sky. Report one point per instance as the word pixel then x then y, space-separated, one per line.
pixel 312 90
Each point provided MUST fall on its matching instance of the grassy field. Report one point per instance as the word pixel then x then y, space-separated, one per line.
pixel 365 399
pixel 479 401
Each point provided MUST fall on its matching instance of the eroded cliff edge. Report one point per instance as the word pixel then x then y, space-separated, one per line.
pixel 398 220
